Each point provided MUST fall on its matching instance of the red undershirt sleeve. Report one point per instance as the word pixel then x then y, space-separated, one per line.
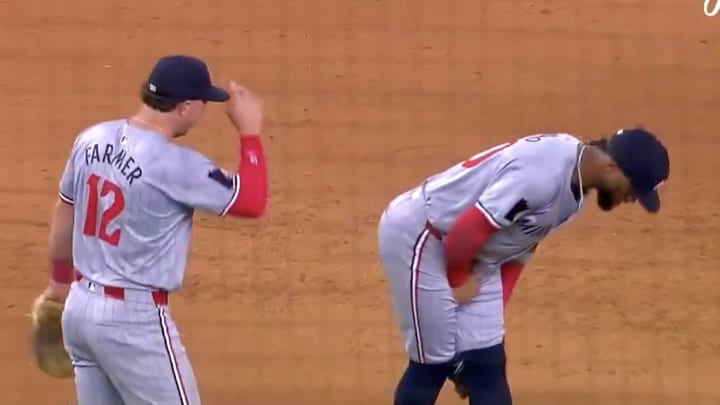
pixel 508 199
pixel 252 196
pixel 509 274
pixel 467 236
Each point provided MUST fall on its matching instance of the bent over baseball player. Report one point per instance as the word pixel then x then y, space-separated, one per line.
pixel 453 247
pixel 120 234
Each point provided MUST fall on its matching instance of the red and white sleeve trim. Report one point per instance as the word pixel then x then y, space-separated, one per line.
pixel 235 194
pixel 66 199
pixel 489 216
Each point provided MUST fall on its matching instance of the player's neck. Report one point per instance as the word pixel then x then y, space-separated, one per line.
pixel 153 122
pixel 588 169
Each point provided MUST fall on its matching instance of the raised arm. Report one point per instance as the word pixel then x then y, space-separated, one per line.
pixel 245 112
pixel 195 181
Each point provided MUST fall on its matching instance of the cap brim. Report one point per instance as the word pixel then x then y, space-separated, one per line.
pixel 650 201
pixel 217 94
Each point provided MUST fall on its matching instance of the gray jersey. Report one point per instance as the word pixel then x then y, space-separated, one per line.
pixel 523 188
pixel 134 193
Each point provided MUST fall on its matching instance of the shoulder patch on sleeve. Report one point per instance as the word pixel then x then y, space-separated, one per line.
pixel 221 178
pixel 517 209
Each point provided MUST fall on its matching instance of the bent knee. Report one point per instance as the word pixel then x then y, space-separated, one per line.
pixel 482 368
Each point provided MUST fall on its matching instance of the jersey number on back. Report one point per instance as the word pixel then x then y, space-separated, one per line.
pixel 99 188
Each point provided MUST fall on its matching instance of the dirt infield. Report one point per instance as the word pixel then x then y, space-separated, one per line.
pixel 364 100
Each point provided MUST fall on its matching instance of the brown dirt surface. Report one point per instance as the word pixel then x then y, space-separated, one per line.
pixel 364 99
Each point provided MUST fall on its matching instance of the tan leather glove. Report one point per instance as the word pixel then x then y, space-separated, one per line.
pixel 47 338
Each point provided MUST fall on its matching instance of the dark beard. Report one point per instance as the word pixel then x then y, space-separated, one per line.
pixel 605 200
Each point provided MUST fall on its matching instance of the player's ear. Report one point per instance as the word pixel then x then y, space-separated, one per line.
pixel 183 108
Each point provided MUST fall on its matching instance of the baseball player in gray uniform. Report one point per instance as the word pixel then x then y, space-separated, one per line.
pixel 453 247
pixel 122 226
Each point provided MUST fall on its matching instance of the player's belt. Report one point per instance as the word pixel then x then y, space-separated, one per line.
pixel 159 297
pixel 433 231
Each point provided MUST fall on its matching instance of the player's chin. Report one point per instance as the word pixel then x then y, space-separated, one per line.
pixel 606 201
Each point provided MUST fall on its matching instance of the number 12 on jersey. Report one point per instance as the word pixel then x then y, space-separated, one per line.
pixel 98 188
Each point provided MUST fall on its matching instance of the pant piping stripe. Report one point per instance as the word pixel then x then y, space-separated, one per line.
pixel 171 356
pixel 414 287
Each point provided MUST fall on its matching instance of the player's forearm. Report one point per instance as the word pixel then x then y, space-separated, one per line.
pixel 510 272
pixel 509 275
pixel 60 250
pixel 465 239
pixel 252 170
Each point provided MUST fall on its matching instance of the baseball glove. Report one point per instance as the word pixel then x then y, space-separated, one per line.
pixel 455 378
pixel 460 390
pixel 47 338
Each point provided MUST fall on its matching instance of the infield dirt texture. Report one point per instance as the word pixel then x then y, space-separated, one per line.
pixel 365 99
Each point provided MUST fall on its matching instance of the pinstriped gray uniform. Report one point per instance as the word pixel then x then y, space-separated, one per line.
pixel 524 190
pixel 134 194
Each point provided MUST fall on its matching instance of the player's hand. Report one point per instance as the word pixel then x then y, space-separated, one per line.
pixel 245 110
pixel 47 338
pixel 56 292
pixel 467 291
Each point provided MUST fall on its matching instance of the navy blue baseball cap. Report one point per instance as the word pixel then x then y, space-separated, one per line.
pixel 645 162
pixel 182 77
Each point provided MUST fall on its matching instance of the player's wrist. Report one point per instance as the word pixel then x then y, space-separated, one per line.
pixel 250 143
pixel 57 292
pixel 468 290
pixel 62 271
pixel 458 280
